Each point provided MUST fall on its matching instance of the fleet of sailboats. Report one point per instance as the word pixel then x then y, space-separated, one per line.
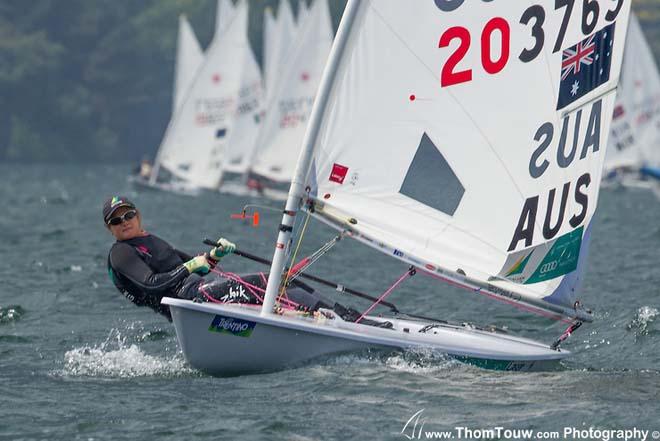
pixel 467 141
pixel 189 57
pixel 231 127
pixel 292 96
pixel 200 143
pixel 268 113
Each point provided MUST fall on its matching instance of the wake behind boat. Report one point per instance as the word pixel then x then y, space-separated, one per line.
pixel 470 179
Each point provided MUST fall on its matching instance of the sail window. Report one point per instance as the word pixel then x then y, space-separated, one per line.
pixel 431 181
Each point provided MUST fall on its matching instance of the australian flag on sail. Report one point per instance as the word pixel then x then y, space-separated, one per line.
pixel 585 66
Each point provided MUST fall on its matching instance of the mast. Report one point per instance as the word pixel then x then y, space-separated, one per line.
pixel 298 181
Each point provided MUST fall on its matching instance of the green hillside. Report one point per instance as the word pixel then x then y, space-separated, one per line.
pixel 91 80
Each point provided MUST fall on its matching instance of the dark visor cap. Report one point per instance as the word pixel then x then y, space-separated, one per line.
pixel 114 203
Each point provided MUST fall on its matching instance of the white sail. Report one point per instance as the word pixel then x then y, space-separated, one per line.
pixel 189 57
pixel 291 102
pixel 279 34
pixel 189 60
pixel 635 137
pixel 303 13
pixel 224 14
pixel 468 139
pixel 242 139
pixel 269 46
pixel 646 96
pixel 195 143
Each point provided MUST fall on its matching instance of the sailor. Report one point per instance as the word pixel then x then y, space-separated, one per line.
pixel 145 268
pixel 144 169
pixel 255 184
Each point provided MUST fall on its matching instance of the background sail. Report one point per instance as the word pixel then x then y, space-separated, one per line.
pixel 635 137
pixel 270 42
pixel 224 14
pixel 304 12
pixel 242 138
pixel 278 37
pixel 645 96
pixel 291 102
pixel 468 153
pixel 195 141
pixel 189 57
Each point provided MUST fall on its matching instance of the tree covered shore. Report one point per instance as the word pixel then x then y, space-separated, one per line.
pixel 91 80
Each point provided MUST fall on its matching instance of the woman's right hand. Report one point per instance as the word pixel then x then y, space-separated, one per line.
pixel 198 264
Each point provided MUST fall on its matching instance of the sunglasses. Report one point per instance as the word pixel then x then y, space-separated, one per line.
pixel 117 220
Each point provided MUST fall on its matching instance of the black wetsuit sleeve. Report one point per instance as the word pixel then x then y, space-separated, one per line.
pixel 183 255
pixel 126 261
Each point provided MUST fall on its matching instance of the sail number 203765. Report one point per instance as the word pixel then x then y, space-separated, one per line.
pixel 498 30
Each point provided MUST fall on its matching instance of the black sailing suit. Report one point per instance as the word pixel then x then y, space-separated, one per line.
pixel 146 269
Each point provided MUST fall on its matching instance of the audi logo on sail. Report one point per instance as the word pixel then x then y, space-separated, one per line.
pixel 547 267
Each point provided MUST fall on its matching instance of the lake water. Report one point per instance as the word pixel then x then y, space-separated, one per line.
pixel 80 362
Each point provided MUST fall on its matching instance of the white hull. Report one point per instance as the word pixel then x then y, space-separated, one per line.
pixel 656 189
pixel 180 188
pixel 627 181
pixel 240 189
pixel 209 335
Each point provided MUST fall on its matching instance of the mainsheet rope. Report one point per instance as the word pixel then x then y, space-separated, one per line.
pixel 288 304
pixel 518 305
pixel 409 273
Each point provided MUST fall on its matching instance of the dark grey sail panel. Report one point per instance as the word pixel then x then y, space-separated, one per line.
pixel 431 181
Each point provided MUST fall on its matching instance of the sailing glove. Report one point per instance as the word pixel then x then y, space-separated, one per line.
pixel 224 247
pixel 198 264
